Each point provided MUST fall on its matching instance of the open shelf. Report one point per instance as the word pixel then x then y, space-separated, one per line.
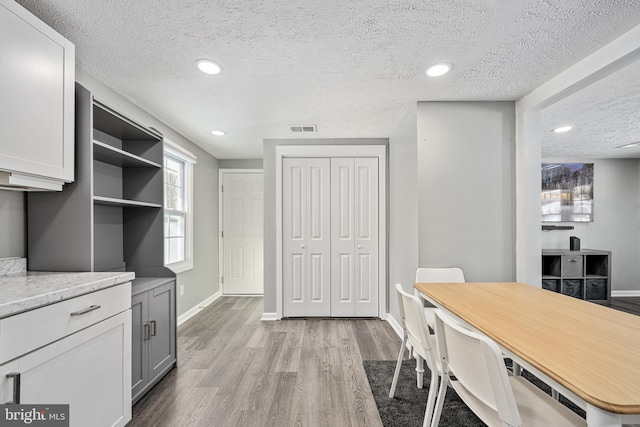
pixel 108 154
pixel 109 201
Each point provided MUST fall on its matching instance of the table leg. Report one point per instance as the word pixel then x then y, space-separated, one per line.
pixel 597 417
pixel 517 369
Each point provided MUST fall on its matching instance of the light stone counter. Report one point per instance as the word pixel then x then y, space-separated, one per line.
pixel 26 291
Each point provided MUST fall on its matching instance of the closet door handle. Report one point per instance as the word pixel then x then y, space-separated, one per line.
pixel 16 387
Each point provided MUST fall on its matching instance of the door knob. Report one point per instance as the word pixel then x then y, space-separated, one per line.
pixel 301 246
pixel 359 246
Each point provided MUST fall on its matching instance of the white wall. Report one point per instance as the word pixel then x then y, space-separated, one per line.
pixel 403 208
pixel 616 224
pixel 466 188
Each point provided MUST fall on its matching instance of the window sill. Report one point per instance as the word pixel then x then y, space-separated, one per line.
pixel 180 267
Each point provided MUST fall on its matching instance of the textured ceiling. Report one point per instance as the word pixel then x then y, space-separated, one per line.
pixel 604 115
pixel 349 67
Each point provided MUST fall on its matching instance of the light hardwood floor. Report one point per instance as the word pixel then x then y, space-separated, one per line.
pixel 234 370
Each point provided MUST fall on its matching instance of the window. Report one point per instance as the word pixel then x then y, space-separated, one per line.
pixel 178 215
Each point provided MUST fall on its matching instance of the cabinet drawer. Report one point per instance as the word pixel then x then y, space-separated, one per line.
pixel 33 329
pixel 572 266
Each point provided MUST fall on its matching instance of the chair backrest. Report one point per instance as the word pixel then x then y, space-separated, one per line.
pixel 478 366
pixel 415 325
pixel 439 275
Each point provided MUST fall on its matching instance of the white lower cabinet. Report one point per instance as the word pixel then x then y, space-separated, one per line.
pixel 90 370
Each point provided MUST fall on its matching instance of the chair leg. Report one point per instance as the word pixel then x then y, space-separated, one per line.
pixel 419 370
pixel 431 400
pixel 444 382
pixel 396 374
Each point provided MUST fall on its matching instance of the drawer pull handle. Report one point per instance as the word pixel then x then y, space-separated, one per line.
pixel 153 328
pixel 16 387
pixel 146 332
pixel 573 260
pixel 85 311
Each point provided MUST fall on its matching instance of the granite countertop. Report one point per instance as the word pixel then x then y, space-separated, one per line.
pixel 28 290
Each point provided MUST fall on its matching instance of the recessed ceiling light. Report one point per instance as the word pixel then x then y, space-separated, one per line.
pixel 562 129
pixel 218 132
pixel 438 70
pixel 207 66
pixel 631 145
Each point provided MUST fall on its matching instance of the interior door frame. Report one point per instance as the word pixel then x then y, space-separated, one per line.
pixel 221 173
pixel 311 151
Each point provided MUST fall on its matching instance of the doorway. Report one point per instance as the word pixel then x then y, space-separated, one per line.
pixel 241 231
pixel 306 265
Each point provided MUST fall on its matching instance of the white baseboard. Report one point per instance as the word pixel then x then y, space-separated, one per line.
pixel 197 308
pixel 625 293
pixel 394 324
pixel 269 317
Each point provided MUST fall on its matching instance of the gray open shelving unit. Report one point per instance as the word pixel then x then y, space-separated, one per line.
pixel 584 274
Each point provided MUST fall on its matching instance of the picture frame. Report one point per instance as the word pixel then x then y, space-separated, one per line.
pixel 567 192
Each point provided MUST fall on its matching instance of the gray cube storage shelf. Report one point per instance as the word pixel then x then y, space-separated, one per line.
pixel 584 274
pixel 111 217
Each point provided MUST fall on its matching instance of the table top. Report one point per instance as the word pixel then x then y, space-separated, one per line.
pixel 590 349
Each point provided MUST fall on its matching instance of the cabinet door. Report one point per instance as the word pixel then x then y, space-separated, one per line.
pixel 140 335
pixel 98 390
pixel 37 87
pixel 162 322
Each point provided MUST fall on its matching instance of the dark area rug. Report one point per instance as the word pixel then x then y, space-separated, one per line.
pixel 406 409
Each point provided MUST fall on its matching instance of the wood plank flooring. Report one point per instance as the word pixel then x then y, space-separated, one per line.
pixel 628 304
pixel 235 370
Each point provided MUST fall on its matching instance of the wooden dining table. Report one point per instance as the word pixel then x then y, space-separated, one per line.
pixel 589 353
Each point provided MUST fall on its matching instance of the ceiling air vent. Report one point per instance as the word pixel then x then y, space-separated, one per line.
pixel 303 128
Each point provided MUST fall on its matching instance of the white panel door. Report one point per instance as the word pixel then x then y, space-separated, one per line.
pixel 342 238
pixel 306 237
pixel 243 207
pixel 366 237
pixel 354 237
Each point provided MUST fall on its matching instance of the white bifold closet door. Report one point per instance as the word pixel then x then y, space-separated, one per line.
pixel 354 237
pixel 306 241
pixel 330 237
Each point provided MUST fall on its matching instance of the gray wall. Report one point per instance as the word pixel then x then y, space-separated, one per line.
pixel 13 238
pixel 466 188
pixel 240 164
pixel 403 208
pixel 616 224
pixel 269 166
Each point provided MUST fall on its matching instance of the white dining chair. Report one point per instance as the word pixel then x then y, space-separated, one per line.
pixel 473 365
pixel 416 332
pixel 436 275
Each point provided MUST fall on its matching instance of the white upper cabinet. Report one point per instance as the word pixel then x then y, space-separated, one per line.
pixel 36 102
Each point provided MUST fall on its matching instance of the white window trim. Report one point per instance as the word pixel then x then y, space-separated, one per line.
pixel 189 159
